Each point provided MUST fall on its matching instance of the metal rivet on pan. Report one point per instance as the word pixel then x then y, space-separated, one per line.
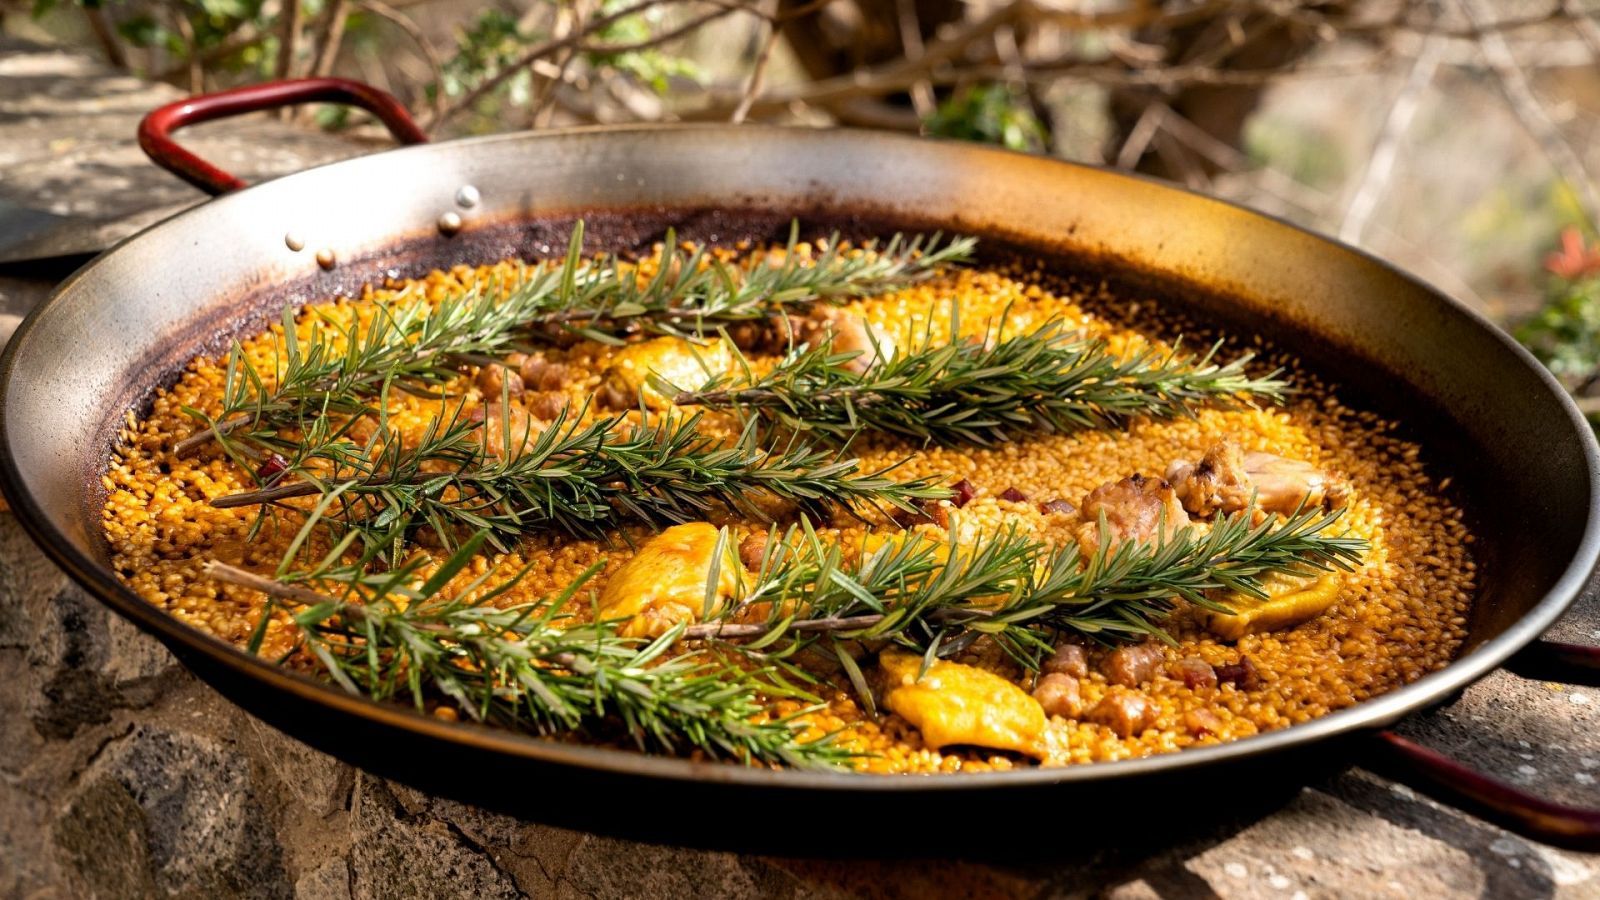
pixel 294 241
pixel 449 223
pixel 467 197
pixel 325 258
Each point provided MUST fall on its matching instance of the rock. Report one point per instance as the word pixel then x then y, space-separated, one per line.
pixel 397 855
pixel 188 804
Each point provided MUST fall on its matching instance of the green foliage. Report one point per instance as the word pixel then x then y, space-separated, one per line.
pixel 649 66
pixel 495 40
pixel 1565 333
pixel 990 114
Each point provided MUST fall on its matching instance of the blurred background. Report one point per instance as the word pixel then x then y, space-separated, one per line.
pixel 1453 137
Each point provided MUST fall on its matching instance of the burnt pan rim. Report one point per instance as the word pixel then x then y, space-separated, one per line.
pixel 1368 715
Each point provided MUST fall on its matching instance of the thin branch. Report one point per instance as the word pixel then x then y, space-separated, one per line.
pixel 1519 94
pixel 758 73
pixel 400 20
pixel 106 36
pixel 289 39
pixel 1386 149
pixel 539 51
pixel 332 37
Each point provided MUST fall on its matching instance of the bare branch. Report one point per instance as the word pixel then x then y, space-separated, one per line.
pixel 758 72
pixel 332 37
pixel 1519 94
pixel 405 23
pixel 1386 150
pixel 288 38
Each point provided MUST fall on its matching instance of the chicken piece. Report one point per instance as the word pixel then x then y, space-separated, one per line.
pixel 1284 485
pixel 496 381
pixel 1291 599
pixel 1217 483
pixel 850 333
pixel 1136 508
pixel 540 374
pixel 1226 478
pixel 959 704
pixel 665 582
pixel 684 365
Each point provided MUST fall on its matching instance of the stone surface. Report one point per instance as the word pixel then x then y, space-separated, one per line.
pixel 75 179
pixel 121 775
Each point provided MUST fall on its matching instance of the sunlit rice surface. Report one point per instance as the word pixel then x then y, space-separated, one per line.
pixel 1399 617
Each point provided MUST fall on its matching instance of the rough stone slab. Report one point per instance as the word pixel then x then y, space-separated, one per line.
pixel 75 180
pixel 122 775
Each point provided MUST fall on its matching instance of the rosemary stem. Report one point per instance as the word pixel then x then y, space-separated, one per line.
pixel 299 489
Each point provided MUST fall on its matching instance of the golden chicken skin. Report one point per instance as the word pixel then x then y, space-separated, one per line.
pixel 665 582
pixel 684 365
pixel 954 703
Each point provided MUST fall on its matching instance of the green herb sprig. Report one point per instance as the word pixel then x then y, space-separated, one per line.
pixel 984 390
pixel 940 595
pixel 529 667
pixel 417 345
pixel 581 479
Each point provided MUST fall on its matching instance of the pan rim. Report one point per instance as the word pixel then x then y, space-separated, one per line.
pixel 1371 714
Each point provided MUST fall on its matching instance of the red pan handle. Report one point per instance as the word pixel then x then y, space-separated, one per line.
pixel 155 131
pixel 1506 805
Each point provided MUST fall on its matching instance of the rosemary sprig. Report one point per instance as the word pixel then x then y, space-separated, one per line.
pixel 582 479
pixel 976 391
pixel 940 595
pixel 416 345
pixel 529 666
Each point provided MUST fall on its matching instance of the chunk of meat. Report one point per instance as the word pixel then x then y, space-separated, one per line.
pixel 1196 673
pixel 849 332
pixel 961 493
pixel 505 430
pixel 1283 485
pixel 1058 507
pixel 1226 478
pixel 540 374
pixel 496 381
pixel 753 550
pixel 1125 712
pixel 1217 483
pixel 547 405
pixel 1058 694
pixel 1291 599
pixel 959 704
pixel 1132 665
pixel 1202 722
pixel 683 365
pixel 1243 674
pixel 1068 659
pixel 1136 508
pixel 665 582
pixel 1014 495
